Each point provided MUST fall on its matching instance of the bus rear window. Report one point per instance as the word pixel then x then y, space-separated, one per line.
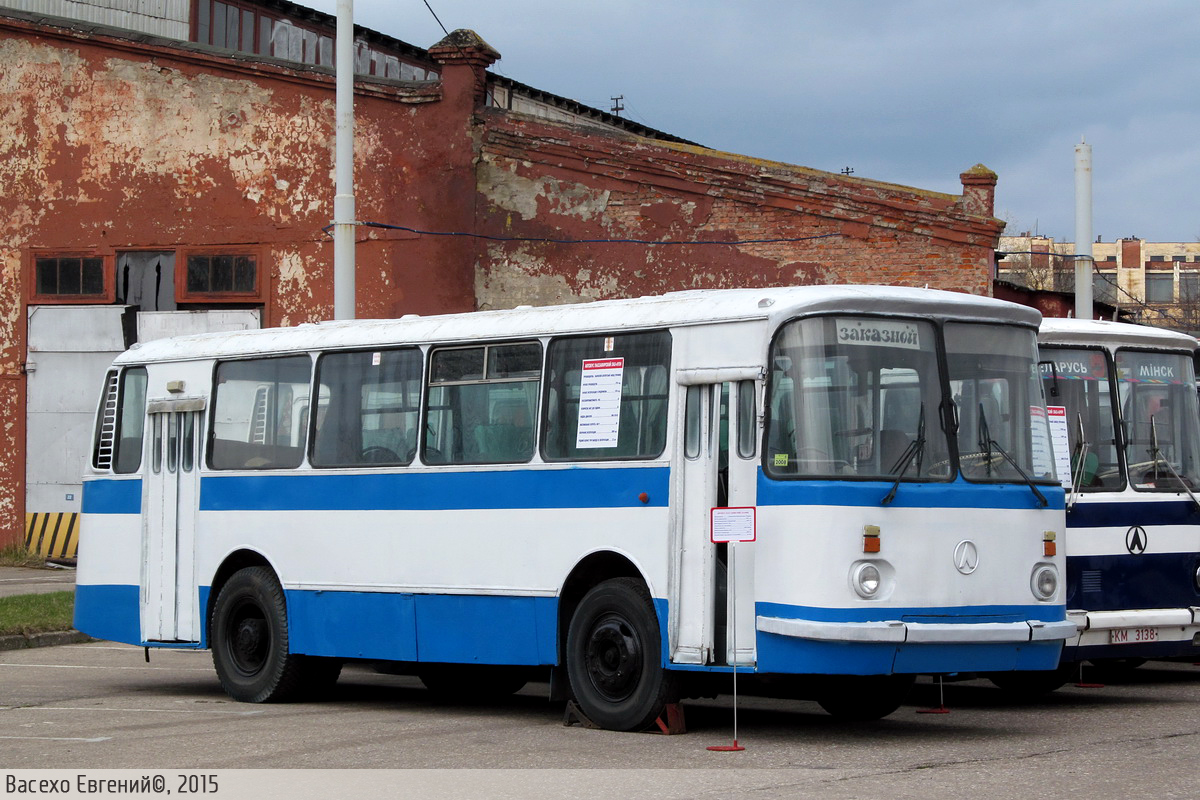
pixel 260 413
pixel 121 424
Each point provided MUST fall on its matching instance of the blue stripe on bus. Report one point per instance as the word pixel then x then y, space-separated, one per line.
pixel 959 614
pixel 955 494
pixel 1172 649
pixel 1125 514
pixel 109 611
pixel 1118 582
pixel 523 630
pixel 112 496
pixel 428 491
pixel 469 629
pixel 789 654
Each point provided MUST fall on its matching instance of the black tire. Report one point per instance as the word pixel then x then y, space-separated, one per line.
pixel 472 683
pixel 614 657
pixel 1028 684
pixel 250 640
pixel 860 698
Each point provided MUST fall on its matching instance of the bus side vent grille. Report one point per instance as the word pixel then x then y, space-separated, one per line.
pixel 108 425
pixel 1090 580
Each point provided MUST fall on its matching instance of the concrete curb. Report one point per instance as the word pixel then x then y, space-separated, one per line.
pixel 21 641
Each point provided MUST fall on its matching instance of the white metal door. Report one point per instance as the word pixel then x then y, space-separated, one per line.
pixel 716 467
pixel 170 604
pixel 70 348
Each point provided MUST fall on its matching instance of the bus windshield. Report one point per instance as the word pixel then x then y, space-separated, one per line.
pixel 1003 433
pixel 1159 408
pixel 1077 379
pixel 856 397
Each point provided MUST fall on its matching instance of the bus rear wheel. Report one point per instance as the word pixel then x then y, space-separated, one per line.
pixel 250 640
pixel 614 657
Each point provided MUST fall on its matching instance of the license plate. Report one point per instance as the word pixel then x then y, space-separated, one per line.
pixel 1133 635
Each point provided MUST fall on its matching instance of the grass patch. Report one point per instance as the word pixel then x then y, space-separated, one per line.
pixel 37 613
pixel 14 555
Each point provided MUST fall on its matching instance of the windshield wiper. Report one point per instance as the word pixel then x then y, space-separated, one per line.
pixel 1080 457
pixel 986 441
pixel 1157 456
pixel 914 452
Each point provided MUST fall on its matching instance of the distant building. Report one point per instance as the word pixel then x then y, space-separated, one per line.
pixel 1155 283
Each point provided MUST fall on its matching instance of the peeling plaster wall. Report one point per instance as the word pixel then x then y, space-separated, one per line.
pixel 538 180
pixel 109 145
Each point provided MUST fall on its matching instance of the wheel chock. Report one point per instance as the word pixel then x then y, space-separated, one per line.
pixel 574 716
pixel 670 721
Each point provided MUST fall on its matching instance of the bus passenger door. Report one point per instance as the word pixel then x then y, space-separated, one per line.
pixel 170 605
pixel 715 468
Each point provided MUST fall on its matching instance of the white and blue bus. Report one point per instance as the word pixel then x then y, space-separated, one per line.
pixel 474 497
pixel 1125 399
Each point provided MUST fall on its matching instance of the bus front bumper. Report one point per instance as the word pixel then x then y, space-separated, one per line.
pixel 900 632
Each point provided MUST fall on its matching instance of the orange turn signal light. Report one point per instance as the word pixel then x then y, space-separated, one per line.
pixel 871 539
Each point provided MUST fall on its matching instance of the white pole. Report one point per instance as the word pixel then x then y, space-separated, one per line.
pixel 731 584
pixel 343 198
pixel 1083 231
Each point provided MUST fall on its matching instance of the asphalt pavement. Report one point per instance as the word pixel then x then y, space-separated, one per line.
pixel 28 580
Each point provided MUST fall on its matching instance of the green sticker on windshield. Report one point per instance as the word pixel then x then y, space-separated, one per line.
pixel 781 459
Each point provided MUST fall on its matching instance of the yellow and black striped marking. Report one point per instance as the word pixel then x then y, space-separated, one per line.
pixel 53 534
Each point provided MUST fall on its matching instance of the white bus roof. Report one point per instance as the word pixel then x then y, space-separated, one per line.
pixel 669 310
pixel 1119 334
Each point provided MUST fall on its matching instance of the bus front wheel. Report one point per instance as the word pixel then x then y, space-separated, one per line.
pixel 614 657
pixel 250 639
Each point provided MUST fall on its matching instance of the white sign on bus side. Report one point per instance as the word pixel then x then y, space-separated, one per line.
pixel 599 403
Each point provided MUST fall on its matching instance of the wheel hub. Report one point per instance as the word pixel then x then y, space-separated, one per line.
pixel 614 658
pixel 249 644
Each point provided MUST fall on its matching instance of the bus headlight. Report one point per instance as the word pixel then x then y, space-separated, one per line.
pixel 1196 577
pixel 1044 581
pixel 866 580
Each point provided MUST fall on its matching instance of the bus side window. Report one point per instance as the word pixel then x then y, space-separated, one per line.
pixel 635 365
pixel 368 405
pixel 257 409
pixel 482 404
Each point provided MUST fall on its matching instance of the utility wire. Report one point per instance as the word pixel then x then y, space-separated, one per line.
pixel 435 16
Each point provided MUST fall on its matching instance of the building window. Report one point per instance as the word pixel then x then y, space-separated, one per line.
pixel 1160 287
pixel 1189 287
pixel 229 275
pixel 1104 287
pixel 251 29
pixel 70 278
pixel 1158 258
pixel 1179 258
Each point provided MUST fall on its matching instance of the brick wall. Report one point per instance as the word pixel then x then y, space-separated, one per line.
pixel 538 180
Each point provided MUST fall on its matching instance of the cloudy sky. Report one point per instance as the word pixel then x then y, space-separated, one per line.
pixel 905 91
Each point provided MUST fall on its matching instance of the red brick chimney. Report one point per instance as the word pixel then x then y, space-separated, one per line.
pixel 464 48
pixel 979 191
